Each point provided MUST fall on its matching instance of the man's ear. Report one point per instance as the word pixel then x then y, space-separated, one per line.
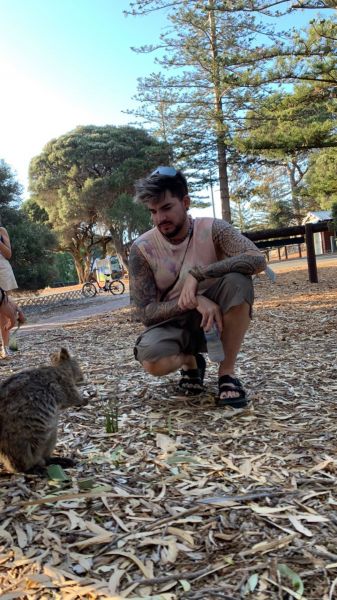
pixel 187 201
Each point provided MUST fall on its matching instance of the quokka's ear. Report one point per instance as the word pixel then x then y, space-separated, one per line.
pixel 58 357
pixel 64 354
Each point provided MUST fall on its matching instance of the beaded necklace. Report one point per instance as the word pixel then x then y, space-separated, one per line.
pixel 188 234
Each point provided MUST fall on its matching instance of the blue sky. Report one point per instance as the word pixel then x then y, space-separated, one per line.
pixel 65 63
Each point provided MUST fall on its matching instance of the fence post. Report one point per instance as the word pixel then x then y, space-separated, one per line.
pixel 311 256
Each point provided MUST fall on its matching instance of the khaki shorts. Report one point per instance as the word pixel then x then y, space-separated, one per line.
pixel 183 334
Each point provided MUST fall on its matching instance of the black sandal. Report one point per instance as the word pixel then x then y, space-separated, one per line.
pixel 192 381
pixel 231 384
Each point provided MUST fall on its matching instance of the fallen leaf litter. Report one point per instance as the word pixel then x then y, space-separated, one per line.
pixel 186 500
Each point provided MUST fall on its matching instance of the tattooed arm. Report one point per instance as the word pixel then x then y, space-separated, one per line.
pixel 144 292
pixel 241 254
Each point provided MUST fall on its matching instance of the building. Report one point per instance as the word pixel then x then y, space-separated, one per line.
pixel 324 240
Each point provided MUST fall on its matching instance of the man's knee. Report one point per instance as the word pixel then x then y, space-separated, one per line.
pixel 242 308
pixel 152 367
pixel 162 366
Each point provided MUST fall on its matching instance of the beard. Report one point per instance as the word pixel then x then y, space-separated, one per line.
pixel 171 233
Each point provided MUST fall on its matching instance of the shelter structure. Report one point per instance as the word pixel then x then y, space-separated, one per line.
pixel 324 241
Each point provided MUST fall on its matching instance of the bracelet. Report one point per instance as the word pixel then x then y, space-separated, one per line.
pixel 196 273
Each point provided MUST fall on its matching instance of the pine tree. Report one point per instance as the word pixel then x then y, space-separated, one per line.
pixel 224 56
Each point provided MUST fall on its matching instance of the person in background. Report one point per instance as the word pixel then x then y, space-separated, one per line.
pixel 186 275
pixel 7 284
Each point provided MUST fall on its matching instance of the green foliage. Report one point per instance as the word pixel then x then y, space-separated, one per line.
pixel 31 242
pixel 80 177
pixel 127 218
pixel 65 267
pixel 300 120
pixel 334 213
pixel 242 193
pixel 10 189
pixel 321 180
pixel 32 246
pixel 281 214
pixel 216 92
pixel 293 577
pixel 195 109
pixel 34 212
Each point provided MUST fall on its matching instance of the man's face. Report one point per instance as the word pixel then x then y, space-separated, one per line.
pixel 169 214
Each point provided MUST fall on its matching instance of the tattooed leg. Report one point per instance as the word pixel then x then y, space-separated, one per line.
pixel 235 324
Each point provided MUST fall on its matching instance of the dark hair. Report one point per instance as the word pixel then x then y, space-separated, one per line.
pixel 155 185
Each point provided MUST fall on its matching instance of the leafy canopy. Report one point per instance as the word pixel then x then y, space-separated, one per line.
pixel 85 178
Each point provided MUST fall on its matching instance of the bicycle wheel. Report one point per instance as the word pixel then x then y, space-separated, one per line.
pixel 117 287
pixel 89 290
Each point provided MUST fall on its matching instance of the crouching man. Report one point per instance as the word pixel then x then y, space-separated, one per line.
pixel 185 276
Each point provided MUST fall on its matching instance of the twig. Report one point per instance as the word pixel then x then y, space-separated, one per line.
pixel 177 576
pixel 332 589
pixel 165 520
pixel 249 496
pixel 154 525
pixel 323 553
pixel 200 594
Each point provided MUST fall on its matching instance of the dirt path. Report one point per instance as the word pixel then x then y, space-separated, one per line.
pixel 73 312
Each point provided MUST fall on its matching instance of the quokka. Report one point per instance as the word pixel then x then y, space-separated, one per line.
pixel 30 402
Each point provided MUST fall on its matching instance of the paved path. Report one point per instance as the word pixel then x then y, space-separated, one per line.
pixel 98 306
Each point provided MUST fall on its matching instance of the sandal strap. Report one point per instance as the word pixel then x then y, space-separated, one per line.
pixel 201 365
pixel 191 373
pixel 191 386
pixel 192 380
pixel 187 384
pixel 233 382
pixel 225 387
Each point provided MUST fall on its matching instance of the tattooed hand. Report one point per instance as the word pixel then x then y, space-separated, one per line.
pixel 187 299
pixel 210 312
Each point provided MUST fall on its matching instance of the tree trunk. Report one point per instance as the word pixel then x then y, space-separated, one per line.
pixel 291 168
pixel 219 119
pixel 223 179
pixel 120 250
pixel 82 264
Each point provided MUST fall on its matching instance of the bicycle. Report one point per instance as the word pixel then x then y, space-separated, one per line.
pixel 114 286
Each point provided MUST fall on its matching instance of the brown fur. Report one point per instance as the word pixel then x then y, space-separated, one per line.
pixel 30 402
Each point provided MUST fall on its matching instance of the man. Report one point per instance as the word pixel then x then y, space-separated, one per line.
pixel 185 276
